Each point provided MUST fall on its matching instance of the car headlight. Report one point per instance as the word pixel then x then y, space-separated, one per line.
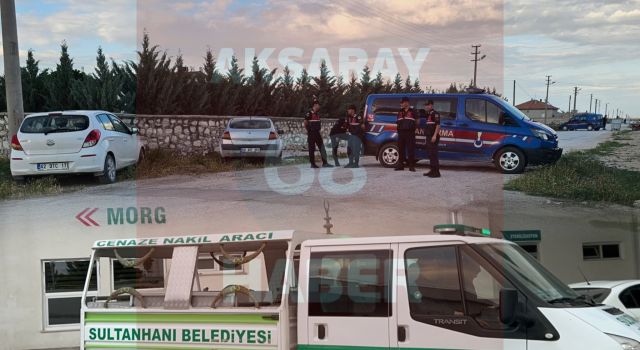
pixel 625 343
pixel 541 134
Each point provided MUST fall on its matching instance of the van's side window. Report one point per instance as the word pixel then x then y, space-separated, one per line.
pixel 432 282
pixel 481 290
pixel 485 112
pixel 355 283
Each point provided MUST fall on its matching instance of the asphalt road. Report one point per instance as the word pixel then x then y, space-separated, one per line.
pixel 367 201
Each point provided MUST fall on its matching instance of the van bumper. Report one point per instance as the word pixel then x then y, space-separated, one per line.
pixel 543 155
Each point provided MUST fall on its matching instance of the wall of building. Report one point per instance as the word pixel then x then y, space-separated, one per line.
pixel 195 134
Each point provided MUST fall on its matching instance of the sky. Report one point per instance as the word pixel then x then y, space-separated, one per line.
pixel 590 44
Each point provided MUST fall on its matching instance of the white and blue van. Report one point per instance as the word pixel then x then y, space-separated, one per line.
pixel 475 127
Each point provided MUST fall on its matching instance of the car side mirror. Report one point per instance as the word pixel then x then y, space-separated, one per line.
pixel 508 305
pixel 135 130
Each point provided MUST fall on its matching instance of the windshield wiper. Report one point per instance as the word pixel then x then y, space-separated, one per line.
pixel 584 299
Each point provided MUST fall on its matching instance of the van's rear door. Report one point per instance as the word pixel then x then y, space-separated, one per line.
pixel 348 294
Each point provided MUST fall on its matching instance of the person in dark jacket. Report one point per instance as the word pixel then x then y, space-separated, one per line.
pixel 338 133
pixel 432 132
pixel 406 124
pixel 314 138
pixel 604 123
pixel 356 133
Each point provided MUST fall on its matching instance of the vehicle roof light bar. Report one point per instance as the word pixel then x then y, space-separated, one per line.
pixel 461 230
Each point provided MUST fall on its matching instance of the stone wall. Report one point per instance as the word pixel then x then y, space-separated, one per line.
pixel 197 134
pixel 4 136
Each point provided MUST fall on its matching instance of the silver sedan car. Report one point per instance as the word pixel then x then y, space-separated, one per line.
pixel 251 137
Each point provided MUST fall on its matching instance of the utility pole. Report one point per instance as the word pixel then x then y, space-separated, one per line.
pixel 546 99
pixel 606 108
pixel 475 60
pixel 595 106
pixel 514 93
pixel 575 97
pixel 12 74
pixel 569 110
pixel 590 102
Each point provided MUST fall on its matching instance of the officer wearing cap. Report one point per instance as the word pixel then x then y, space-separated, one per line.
pixel 432 132
pixel 406 125
pixel 338 132
pixel 314 138
pixel 356 132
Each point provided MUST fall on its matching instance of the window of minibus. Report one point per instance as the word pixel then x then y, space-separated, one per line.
pixel 391 106
pixel 484 111
pixel 527 271
pixel 350 284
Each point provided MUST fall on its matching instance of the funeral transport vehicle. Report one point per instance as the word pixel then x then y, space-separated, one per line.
pixel 288 289
pixel 251 137
pixel 474 127
pixel 74 142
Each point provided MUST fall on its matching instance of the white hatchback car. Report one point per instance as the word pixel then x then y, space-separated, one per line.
pixel 625 295
pixel 95 142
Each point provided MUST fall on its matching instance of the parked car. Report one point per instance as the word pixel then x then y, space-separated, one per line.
pixel 74 142
pixel 625 295
pixel 251 137
pixel 584 121
pixel 475 127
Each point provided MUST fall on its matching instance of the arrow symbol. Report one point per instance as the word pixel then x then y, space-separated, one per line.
pixel 85 217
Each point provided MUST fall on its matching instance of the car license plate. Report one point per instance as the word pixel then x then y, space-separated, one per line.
pixel 52 166
pixel 250 150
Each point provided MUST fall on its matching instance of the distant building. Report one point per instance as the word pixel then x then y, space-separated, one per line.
pixel 534 109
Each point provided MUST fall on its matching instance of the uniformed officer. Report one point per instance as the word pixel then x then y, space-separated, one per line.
pixel 406 125
pixel 356 132
pixel 338 132
pixel 432 132
pixel 314 138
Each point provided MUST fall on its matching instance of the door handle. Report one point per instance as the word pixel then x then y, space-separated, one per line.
pixel 322 331
pixel 463 124
pixel 402 333
pixel 447 123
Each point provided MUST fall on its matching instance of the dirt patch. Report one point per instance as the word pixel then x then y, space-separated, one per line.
pixel 625 157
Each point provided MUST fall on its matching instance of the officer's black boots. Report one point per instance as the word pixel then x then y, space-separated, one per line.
pixel 432 174
pixel 313 166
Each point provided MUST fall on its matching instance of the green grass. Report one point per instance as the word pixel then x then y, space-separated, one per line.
pixel 9 189
pixel 580 176
pixel 605 148
pixel 161 163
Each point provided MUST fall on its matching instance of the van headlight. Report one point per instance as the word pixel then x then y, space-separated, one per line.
pixel 626 343
pixel 541 134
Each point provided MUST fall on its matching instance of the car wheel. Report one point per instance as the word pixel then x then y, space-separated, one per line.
pixel 510 160
pixel 589 127
pixel 20 180
pixel 108 175
pixel 389 155
pixel 141 156
pixel 565 128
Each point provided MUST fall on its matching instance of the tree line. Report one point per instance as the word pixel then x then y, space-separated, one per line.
pixel 155 83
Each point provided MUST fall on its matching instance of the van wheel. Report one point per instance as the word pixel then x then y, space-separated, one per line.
pixel 589 127
pixel 389 155
pixel 565 128
pixel 510 160
pixel 108 175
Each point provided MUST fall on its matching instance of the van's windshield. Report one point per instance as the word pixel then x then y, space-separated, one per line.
pixel 515 112
pixel 527 272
